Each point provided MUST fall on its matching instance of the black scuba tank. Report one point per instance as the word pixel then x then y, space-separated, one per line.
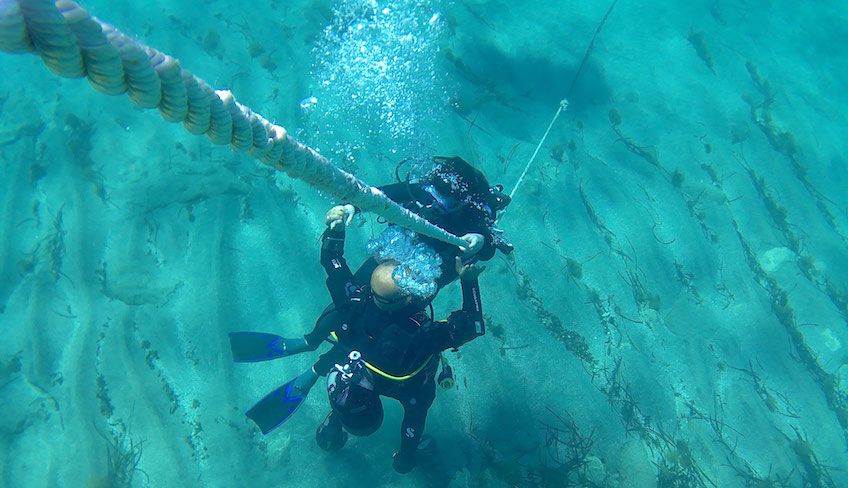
pixel 351 389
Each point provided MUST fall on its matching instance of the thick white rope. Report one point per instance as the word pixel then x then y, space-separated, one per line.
pixel 73 44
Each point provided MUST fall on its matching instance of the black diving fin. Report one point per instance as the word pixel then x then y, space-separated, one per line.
pixel 277 406
pixel 252 347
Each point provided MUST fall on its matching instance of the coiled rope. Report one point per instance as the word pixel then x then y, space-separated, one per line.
pixel 74 44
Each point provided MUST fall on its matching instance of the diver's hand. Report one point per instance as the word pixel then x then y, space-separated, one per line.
pixel 475 243
pixel 468 272
pixel 403 463
pixel 340 214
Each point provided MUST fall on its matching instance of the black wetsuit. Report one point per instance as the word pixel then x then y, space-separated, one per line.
pixel 465 220
pixel 397 343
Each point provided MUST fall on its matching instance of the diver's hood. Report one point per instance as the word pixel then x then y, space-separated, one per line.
pixel 454 184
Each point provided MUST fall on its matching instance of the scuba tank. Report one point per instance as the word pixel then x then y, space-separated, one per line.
pixel 351 389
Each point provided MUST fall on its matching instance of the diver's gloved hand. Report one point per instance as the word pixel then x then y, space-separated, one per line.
pixel 339 215
pixel 468 272
pixel 403 463
pixel 475 243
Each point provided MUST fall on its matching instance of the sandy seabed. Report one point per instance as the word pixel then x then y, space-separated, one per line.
pixel 675 312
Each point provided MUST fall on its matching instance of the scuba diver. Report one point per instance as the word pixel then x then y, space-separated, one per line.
pixel 385 344
pixel 458 198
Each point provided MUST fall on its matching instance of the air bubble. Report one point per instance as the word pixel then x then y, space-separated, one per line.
pixel 419 266
pixel 387 55
pixel 308 103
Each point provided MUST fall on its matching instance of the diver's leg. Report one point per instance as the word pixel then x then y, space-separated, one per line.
pixel 416 402
pixel 330 435
pixel 329 319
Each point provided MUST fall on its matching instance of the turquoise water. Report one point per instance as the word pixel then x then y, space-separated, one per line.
pixel 675 312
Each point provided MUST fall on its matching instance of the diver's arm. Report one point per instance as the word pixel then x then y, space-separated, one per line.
pixel 339 276
pixel 467 323
pixel 340 280
pixel 332 250
pixel 330 320
pixel 472 305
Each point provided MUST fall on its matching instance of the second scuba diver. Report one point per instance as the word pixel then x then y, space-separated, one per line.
pixel 385 344
pixel 457 197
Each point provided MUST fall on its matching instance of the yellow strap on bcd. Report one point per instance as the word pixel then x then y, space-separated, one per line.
pixel 387 375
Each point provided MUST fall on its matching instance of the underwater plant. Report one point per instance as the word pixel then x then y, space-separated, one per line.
pixel 566 453
pixel 614 117
pixel 573 341
pixel 698 41
pixel 815 473
pixel 123 455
